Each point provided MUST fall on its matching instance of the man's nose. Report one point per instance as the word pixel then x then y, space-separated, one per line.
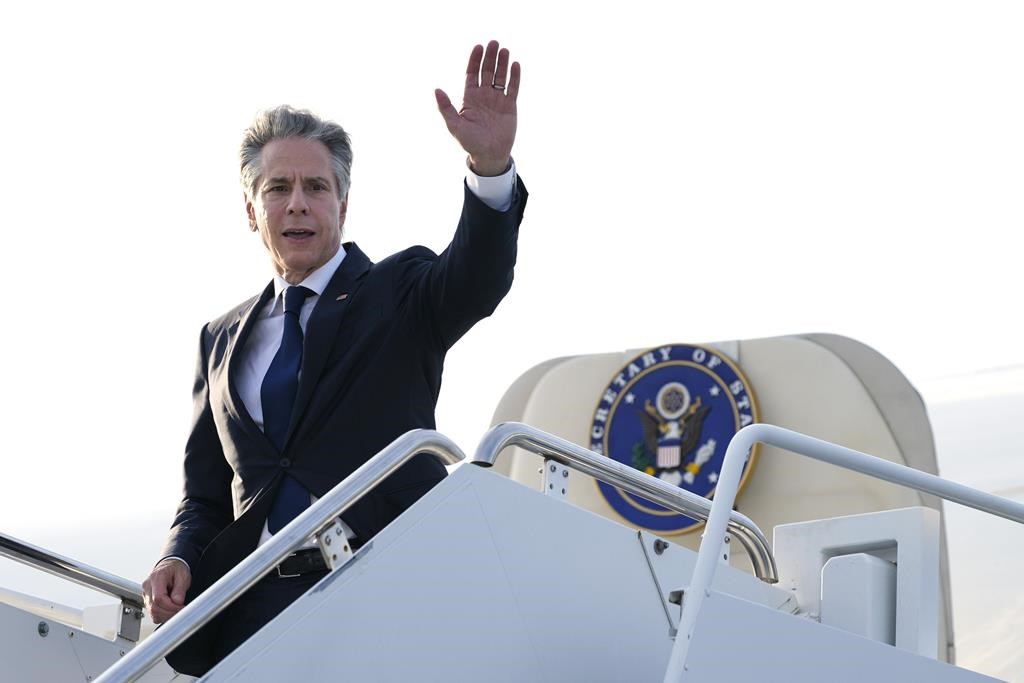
pixel 297 201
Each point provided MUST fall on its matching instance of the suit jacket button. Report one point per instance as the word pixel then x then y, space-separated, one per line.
pixel 285 463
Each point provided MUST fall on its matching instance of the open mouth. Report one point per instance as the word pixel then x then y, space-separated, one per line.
pixel 298 234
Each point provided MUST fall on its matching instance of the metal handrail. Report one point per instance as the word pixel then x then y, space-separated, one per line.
pixel 728 486
pixel 72 570
pixel 312 521
pixel 612 472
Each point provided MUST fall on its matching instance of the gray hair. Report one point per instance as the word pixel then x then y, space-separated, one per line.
pixel 287 122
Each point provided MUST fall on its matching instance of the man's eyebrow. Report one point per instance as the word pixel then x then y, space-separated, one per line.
pixel 285 180
pixel 277 180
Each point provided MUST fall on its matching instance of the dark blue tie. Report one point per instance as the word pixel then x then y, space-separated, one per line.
pixel 278 397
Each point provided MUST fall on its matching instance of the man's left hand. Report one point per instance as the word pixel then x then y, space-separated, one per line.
pixel 486 124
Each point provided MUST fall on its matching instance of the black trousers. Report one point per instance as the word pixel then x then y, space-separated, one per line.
pixel 261 603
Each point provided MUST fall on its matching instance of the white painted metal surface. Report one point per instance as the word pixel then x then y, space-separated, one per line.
pixel 46 609
pixel 858 595
pixel 39 650
pixel 486 580
pixel 742 642
pixel 334 545
pixel 736 454
pixel 907 537
pixel 556 479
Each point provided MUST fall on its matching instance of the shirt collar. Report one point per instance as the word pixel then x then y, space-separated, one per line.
pixel 316 281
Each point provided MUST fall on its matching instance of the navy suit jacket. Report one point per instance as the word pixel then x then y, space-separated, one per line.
pixel 371 370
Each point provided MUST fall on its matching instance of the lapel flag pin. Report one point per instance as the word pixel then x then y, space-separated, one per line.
pixel 342 297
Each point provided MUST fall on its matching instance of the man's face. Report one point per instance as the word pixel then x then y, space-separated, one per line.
pixel 296 208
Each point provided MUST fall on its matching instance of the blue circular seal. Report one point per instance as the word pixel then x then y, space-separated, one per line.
pixel 671 412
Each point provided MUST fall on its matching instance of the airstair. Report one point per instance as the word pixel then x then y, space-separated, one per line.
pixel 484 579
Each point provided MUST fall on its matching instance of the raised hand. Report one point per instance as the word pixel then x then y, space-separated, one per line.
pixel 486 124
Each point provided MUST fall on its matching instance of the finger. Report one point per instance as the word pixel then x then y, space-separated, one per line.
pixel 154 586
pixel 178 594
pixel 444 105
pixel 513 81
pixel 490 60
pixel 473 68
pixel 160 615
pixel 163 603
pixel 501 71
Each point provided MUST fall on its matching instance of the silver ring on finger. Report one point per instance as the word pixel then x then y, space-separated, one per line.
pixel 498 86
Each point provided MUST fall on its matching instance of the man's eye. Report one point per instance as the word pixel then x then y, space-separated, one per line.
pixel 277 188
pixel 319 187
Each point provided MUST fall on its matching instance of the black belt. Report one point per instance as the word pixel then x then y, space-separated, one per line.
pixel 302 562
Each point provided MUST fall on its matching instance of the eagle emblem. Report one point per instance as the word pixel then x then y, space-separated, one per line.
pixel 670 412
pixel 671 432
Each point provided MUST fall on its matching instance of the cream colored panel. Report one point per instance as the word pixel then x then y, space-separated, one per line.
pixel 798 384
pixel 512 406
pixel 802 386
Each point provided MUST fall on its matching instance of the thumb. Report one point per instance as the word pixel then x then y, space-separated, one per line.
pixel 444 105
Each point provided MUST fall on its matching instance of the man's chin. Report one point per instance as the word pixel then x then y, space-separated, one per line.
pixel 297 269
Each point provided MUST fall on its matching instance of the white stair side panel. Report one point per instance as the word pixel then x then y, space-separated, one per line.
pixel 66 654
pixel 426 600
pixel 484 579
pixel 736 640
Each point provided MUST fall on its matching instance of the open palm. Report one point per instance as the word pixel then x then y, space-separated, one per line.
pixel 486 124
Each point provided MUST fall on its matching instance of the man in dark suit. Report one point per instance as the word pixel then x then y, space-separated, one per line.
pixel 337 357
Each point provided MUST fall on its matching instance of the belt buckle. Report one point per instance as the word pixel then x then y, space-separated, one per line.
pixel 281 575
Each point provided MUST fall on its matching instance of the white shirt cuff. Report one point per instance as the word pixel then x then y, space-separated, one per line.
pixel 494 191
pixel 175 557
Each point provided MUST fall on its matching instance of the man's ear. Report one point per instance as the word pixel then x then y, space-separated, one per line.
pixel 250 211
pixel 343 210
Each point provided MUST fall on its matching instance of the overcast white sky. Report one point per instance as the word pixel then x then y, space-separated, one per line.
pixel 699 172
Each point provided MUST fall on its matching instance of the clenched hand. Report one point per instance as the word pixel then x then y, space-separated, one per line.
pixel 164 590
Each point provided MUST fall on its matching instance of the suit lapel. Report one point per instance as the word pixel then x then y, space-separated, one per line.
pixel 323 325
pixel 247 320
